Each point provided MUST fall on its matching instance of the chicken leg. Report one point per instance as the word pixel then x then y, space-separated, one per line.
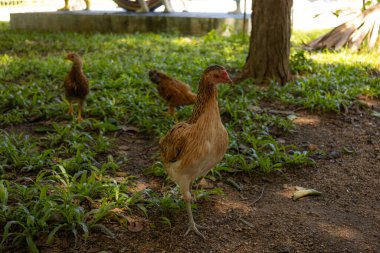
pixel 80 105
pixel 171 111
pixel 192 225
pixel 191 149
pixel 71 109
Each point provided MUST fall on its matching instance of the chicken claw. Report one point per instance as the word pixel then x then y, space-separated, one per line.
pixel 191 149
pixel 192 225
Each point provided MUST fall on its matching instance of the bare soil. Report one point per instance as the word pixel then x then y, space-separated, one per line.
pixel 262 217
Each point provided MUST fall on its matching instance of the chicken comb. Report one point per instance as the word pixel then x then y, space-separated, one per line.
pixel 218 67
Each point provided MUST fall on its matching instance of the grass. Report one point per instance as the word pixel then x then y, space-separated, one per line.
pixel 57 176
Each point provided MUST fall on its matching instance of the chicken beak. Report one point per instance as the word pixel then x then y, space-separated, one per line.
pixel 228 80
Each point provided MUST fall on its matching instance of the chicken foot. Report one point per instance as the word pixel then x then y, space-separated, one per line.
pixel 192 225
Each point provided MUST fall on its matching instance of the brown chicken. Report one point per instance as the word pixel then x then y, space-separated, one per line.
pixel 175 92
pixel 191 149
pixel 76 84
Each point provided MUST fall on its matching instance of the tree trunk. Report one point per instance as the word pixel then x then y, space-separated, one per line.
pixel 268 57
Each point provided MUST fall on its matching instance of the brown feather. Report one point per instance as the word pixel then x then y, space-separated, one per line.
pixel 76 83
pixel 175 92
pixel 192 148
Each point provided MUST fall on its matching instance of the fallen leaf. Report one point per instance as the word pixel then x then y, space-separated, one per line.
pixel 235 184
pixel 124 147
pixel 312 147
pixel 292 117
pixel 376 114
pixel 254 108
pixel 121 174
pixel 131 129
pixel 347 150
pixel 135 226
pixel 303 192
pixel 205 184
pixel 117 210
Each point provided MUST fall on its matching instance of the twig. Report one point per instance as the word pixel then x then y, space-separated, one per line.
pixel 261 195
pixel 286 113
pixel 246 222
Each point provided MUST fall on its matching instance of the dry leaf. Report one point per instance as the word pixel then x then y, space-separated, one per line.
pixel 312 147
pixel 131 129
pixel 121 174
pixel 303 192
pixel 124 147
pixel 376 114
pixel 205 184
pixel 135 226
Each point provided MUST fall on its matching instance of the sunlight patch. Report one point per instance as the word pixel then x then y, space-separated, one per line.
pixel 343 232
pixel 224 205
pixel 307 120
pixel 6 60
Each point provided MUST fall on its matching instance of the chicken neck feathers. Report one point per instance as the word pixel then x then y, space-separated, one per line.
pixel 190 137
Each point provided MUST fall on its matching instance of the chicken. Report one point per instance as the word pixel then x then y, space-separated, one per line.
pixel 76 84
pixel 192 148
pixel 67 7
pixel 175 92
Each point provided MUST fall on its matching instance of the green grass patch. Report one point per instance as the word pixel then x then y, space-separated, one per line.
pixel 57 176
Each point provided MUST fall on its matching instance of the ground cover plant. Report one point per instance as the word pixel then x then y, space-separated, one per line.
pixel 58 177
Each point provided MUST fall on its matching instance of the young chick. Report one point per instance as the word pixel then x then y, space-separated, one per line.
pixel 175 92
pixel 76 84
pixel 191 149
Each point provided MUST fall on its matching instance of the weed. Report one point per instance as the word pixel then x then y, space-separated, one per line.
pixel 64 169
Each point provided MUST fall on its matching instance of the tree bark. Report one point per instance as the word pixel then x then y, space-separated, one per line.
pixel 268 57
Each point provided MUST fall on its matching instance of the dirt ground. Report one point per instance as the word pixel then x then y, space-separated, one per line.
pixel 345 218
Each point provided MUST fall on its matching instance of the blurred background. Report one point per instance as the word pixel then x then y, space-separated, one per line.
pixel 307 14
